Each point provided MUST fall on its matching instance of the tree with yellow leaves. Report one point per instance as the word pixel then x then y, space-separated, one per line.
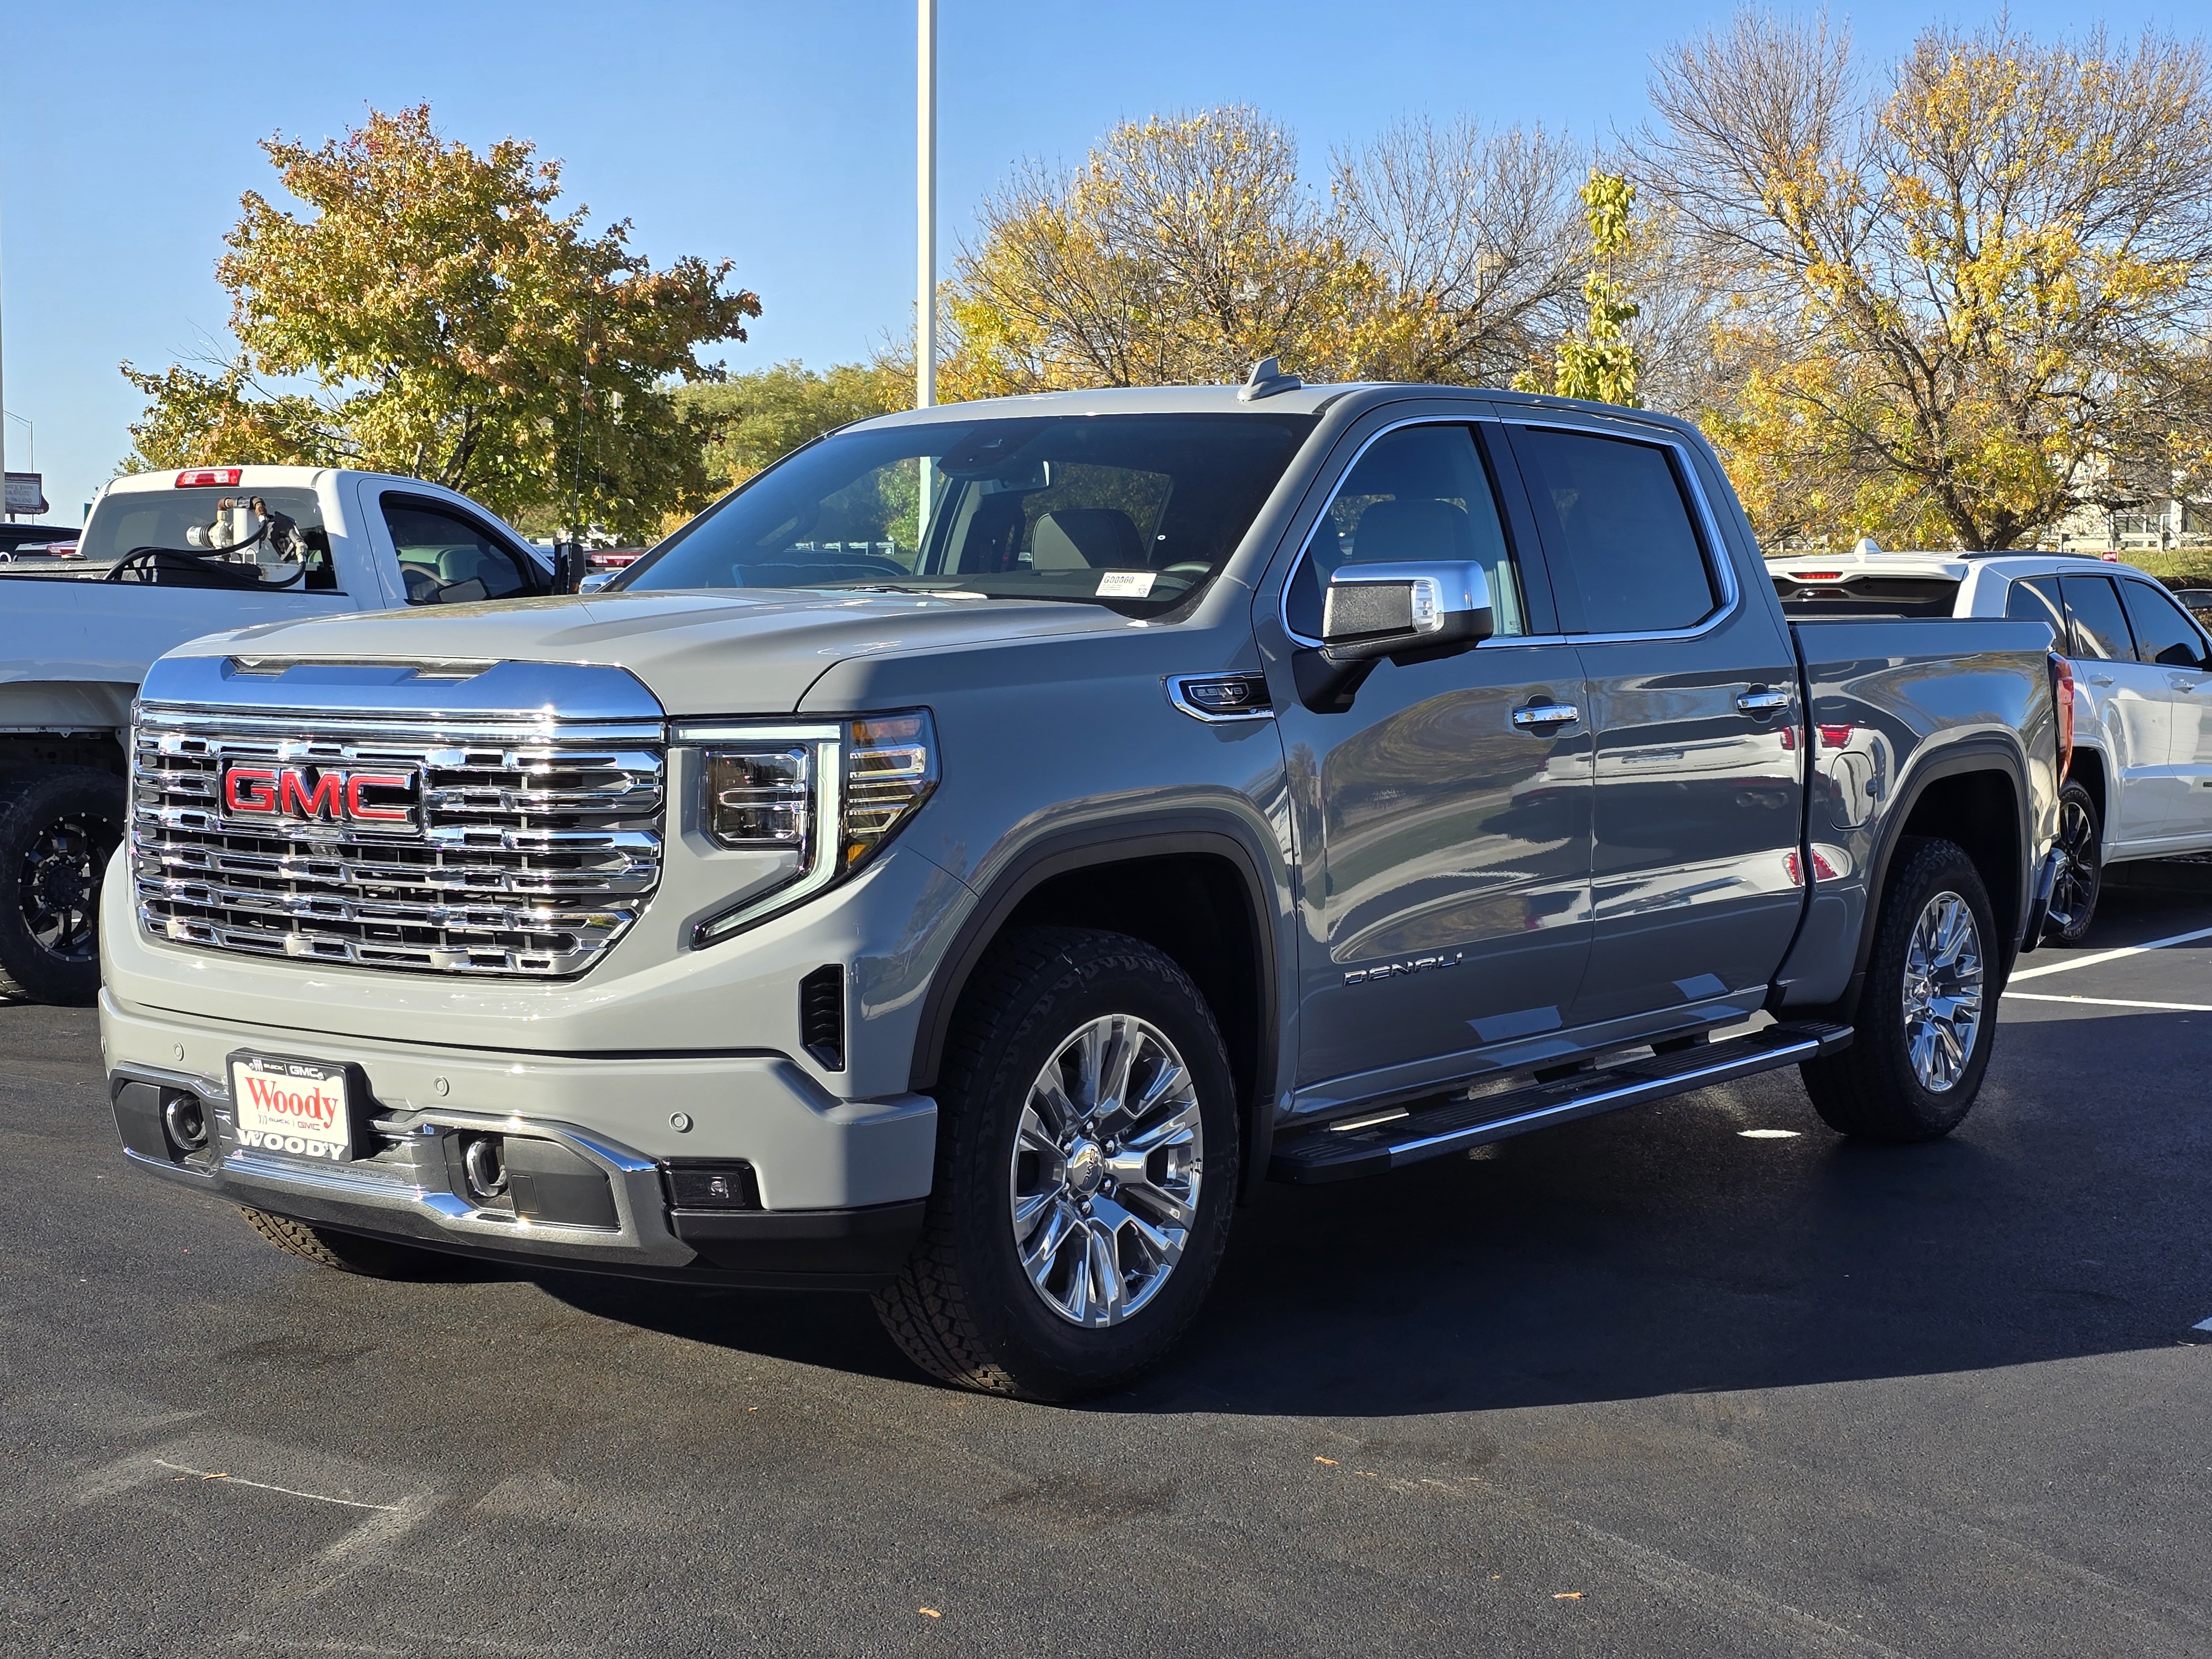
pixel 1186 248
pixel 1948 311
pixel 453 326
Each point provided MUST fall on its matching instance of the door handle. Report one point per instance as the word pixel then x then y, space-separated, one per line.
pixel 1546 713
pixel 2100 679
pixel 1761 701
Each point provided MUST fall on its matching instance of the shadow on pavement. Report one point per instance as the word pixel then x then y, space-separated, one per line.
pixel 1661 1252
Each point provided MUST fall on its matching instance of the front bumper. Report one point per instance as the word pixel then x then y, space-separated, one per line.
pixel 840 1185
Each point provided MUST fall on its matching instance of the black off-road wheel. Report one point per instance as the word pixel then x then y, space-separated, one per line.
pixel 1927 1013
pixel 1086 1171
pixel 348 1252
pixel 58 827
pixel 2081 839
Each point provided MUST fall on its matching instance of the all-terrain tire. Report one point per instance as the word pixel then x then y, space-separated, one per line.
pixel 1872 1092
pixel 965 1308
pixel 2081 837
pixel 59 826
pixel 348 1252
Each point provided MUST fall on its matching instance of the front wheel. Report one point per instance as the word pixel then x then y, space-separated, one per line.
pixel 1925 1018
pixel 2081 873
pixel 1086 1170
pixel 348 1253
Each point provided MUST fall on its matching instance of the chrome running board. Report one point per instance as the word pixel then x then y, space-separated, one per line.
pixel 1427 1129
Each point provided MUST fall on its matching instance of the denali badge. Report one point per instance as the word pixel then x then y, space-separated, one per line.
pixel 324 794
pixel 1400 970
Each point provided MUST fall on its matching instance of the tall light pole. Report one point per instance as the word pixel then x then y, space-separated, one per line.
pixel 925 321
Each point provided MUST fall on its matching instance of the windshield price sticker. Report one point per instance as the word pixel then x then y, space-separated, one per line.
pixel 290 1106
pixel 1124 583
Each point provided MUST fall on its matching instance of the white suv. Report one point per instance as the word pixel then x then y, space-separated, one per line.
pixel 2140 783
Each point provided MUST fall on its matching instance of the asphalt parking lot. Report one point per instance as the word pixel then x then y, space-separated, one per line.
pixel 1647 1385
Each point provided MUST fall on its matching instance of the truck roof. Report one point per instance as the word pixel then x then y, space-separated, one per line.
pixel 253 476
pixel 1352 397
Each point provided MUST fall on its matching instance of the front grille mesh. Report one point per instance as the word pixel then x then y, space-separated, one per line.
pixel 539 843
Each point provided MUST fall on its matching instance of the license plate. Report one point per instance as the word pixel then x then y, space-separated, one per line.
pixel 295 1107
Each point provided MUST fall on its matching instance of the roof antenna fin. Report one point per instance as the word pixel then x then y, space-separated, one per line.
pixel 1267 379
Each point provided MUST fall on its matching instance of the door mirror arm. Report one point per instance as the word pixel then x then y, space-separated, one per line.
pixel 1401 613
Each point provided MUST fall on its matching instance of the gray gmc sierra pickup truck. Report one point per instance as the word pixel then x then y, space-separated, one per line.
pixel 968 860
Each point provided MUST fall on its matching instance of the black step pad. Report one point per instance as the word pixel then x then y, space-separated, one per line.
pixel 1438 1129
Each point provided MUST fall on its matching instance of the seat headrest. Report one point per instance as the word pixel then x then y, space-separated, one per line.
pixel 1418 530
pixel 1073 537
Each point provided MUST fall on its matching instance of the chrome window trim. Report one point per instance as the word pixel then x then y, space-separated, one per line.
pixel 1707 525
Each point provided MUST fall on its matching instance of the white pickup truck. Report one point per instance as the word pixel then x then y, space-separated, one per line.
pixel 168 557
pixel 2140 782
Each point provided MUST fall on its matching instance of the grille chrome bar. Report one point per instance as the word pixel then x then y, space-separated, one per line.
pixel 541 841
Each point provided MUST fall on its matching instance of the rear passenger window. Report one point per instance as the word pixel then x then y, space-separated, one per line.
pixel 2100 629
pixel 1614 510
pixel 2027 602
pixel 446 559
pixel 2163 634
pixel 1419 495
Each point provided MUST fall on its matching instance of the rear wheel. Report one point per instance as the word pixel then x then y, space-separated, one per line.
pixel 1086 1167
pixel 348 1252
pixel 58 827
pixel 2081 876
pixel 1925 1018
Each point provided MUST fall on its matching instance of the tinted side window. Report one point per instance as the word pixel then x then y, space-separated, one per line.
pixel 1615 509
pixel 2026 601
pixel 1417 495
pixel 2163 634
pixel 446 559
pixel 2099 627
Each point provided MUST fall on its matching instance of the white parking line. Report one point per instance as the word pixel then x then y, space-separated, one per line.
pixel 2110 956
pixel 2113 1002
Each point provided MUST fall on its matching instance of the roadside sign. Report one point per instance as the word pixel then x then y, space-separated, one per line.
pixel 27 492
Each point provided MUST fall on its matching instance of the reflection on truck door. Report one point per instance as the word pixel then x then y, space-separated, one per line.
pixel 1446 850
pixel 1699 796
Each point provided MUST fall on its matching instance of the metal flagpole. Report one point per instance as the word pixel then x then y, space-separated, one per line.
pixel 925 349
pixel 925 319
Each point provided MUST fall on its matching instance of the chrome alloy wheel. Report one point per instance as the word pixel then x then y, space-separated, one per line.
pixel 1103 1182
pixel 1943 991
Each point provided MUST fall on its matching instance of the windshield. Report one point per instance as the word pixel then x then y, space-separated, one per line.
pixel 263 535
pixel 1129 511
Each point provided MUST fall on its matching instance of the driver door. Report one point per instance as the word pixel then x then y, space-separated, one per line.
pixel 1444 843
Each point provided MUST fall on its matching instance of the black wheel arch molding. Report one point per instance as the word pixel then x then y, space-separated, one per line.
pixel 1224 837
pixel 2013 896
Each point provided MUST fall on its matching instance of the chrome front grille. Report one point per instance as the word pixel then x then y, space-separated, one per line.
pixel 538 841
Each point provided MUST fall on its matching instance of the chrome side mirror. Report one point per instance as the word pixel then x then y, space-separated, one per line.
pixel 1406 613
pixel 1403 613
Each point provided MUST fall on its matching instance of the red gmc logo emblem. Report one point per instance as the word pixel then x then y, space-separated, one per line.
pixel 321 794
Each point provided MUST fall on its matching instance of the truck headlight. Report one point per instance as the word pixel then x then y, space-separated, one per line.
pixel 824 797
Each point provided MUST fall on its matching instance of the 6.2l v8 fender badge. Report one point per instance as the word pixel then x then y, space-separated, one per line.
pixel 1400 970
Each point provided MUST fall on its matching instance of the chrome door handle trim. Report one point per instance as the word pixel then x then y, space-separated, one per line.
pixel 1760 701
pixel 2100 679
pixel 1548 713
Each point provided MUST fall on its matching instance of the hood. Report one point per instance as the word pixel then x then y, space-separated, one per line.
pixel 735 652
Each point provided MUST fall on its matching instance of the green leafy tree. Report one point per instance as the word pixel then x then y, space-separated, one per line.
pixel 452 326
pixel 1599 362
pixel 751 421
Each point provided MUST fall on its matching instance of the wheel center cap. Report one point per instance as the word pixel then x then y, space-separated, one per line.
pixel 62 886
pixel 1086 1167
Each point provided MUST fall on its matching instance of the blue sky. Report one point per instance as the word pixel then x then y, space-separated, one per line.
pixel 778 134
